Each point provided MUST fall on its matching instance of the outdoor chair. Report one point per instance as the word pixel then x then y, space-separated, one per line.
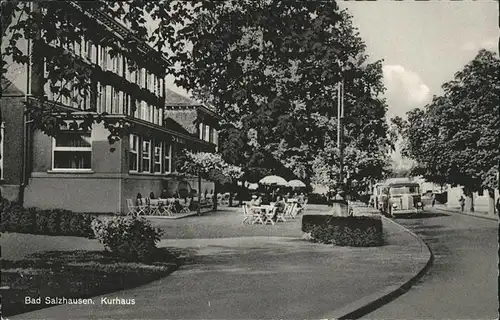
pixel 257 215
pixel 247 215
pixel 270 215
pixel 165 208
pixel 301 209
pixel 133 210
pixel 185 207
pixel 142 207
pixel 290 210
pixel 281 215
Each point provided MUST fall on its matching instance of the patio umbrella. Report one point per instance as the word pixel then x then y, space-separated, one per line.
pixel 296 184
pixel 273 181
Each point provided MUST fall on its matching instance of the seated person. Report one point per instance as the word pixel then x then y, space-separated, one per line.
pixel 164 194
pixel 255 202
pixel 301 199
pixel 280 205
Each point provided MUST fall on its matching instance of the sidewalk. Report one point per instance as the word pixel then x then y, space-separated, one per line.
pixel 478 214
pixel 265 277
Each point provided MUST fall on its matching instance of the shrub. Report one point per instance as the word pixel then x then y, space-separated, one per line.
pixel 22 220
pixel 15 218
pixel 42 220
pixel 129 237
pixel 363 231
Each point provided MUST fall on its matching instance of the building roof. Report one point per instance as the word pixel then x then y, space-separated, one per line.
pixel 10 89
pixel 177 101
pixel 174 99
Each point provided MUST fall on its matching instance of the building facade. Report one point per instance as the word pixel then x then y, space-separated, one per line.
pixel 80 170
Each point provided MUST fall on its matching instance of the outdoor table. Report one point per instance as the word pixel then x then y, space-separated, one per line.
pixel 265 210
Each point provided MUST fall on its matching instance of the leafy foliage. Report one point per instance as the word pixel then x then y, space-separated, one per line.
pixel 16 218
pixel 210 166
pixel 129 237
pixel 455 138
pixel 362 231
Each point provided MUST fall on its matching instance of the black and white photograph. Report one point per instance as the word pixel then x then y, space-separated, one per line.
pixel 249 159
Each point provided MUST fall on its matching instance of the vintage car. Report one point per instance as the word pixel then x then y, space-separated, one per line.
pixel 404 198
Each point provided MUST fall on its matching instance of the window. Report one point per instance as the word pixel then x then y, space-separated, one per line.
pixel 167 148
pixel 157 158
pixel 2 138
pixel 109 100
pixel 117 103
pixel 127 104
pixel 133 153
pixel 72 150
pixel 151 113
pixel 137 109
pixel 101 101
pixel 146 155
pixel 139 79
pixel 93 52
pixel 103 58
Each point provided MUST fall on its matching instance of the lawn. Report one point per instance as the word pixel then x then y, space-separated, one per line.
pixel 75 274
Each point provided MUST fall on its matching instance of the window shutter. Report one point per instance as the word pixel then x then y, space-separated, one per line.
pixel 93 53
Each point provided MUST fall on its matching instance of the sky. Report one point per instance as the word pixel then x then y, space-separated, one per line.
pixel 423 43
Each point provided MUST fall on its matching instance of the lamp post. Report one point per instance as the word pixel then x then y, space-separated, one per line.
pixel 340 128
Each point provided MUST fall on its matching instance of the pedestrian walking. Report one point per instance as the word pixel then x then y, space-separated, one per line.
pixel 433 199
pixel 462 203
pixel 498 205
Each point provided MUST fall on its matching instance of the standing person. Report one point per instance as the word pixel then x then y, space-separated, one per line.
pixel 433 199
pixel 498 205
pixel 462 202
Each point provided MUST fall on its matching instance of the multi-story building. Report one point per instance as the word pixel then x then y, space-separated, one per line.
pixel 80 170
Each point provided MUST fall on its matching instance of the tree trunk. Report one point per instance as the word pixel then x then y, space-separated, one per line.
pixel 241 192
pixel 214 199
pixel 231 193
pixel 199 195
pixel 491 202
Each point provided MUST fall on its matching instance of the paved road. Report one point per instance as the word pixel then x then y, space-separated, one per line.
pixel 462 283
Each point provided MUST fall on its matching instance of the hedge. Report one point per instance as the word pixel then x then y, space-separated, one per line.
pixel 56 222
pixel 354 231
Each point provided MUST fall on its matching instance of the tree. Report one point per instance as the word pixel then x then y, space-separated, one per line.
pixel 272 73
pixel 455 138
pixel 208 166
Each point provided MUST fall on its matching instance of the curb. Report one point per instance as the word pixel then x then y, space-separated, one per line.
pixel 466 214
pixel 369 303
